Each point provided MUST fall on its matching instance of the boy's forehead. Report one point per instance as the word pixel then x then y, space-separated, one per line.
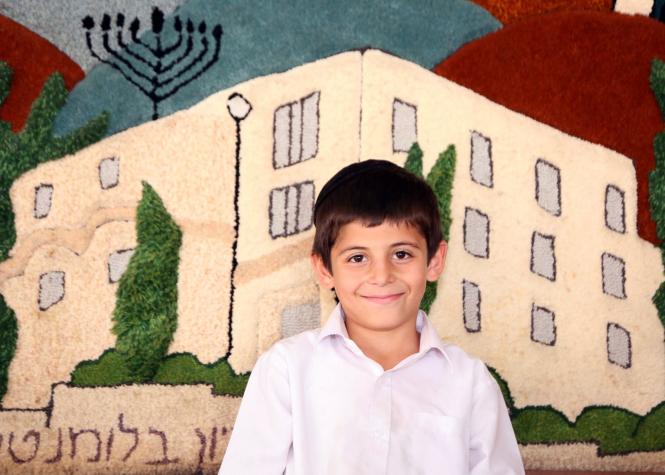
pixel 388 230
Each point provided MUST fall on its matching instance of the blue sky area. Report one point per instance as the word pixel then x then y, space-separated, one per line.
pixel 263 37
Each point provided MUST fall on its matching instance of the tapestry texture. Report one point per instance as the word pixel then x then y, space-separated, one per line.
pixel 159 163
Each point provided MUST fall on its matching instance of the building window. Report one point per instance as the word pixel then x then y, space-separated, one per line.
pixel 51 289
pixel 476 233
pixel 43 200
pixel 299 318
pixel 117 264
pixel 543 329
pixel 405 128
pixel 471 306
pixel 481 160
pixel 291 209
pixel 109 172
pixel 543 260
pixel 614 275
pixel 615 209
pixel 619 351
pixel 548 187
pixel 296 131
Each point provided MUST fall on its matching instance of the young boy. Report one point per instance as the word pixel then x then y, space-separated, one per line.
pixel 374 391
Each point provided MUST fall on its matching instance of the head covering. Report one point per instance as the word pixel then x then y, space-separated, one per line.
pixel 349 172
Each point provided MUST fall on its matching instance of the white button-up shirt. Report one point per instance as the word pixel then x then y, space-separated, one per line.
pixel 316 405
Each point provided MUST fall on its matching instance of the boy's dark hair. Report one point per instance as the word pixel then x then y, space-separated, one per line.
pixel 372 192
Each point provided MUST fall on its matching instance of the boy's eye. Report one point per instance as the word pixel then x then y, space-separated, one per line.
pixel 357 258
pixel 402 255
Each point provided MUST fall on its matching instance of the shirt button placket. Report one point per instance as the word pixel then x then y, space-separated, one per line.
pixel 381 420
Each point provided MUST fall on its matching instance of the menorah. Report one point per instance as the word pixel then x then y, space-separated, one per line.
pixel 158 71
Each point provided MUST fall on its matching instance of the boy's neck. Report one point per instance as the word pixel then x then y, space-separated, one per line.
pixel 387 348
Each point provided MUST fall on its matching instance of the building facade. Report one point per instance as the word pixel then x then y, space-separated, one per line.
pixel 547 279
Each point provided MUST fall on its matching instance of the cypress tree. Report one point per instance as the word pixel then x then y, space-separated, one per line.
pixel 414 160
pixel 657 179
pixel 146 308
pixel 440 178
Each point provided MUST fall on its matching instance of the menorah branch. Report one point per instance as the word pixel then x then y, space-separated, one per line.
pixel 210 62
pixel 125 47
pixel 112 52
pixel 199 57
pixel 147 64
pixel 114 66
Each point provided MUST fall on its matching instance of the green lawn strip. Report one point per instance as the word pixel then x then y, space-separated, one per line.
pixel 182 368
pixel 649 434
pixel 503 385
pixel 185 368
pixel 614 430
pixel 542 425
pixel 109 370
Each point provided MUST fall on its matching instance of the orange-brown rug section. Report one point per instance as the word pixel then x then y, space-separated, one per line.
pixel 510 11
pixel 585 73
pixel 32 59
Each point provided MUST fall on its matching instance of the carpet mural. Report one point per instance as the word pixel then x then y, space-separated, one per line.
pixel 159 164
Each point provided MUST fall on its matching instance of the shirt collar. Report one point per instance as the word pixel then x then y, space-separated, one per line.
pixel 429 338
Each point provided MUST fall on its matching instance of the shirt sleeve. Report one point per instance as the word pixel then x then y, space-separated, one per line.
pixel 493 447
pixel 262 434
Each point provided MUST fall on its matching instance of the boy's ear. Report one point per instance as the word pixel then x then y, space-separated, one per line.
pixel 437 262
pixel 322 273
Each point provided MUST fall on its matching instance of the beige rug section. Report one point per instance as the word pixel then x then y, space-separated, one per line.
pixel 76 327
pixel 137 429
pixel 583 457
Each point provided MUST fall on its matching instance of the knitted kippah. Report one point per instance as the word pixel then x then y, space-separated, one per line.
pixel 349 172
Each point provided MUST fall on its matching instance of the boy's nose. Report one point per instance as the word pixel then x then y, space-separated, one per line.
pixel 380 272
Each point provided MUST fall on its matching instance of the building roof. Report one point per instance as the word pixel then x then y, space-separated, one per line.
pixel 584 73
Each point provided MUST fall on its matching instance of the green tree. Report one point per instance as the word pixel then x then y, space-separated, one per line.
pixel 8 337
pixel 657 178
pixel 440 178
pixel 146 310
pixel 23 151
pixel 414 160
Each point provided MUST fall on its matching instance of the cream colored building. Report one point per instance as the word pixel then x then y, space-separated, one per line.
pixel 547 279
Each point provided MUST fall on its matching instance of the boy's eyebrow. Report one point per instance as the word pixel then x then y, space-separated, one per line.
pixel 353 248
pixel 405 243
pixel 363 248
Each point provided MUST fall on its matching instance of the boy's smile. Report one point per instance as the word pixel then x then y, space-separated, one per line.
pixel 379 274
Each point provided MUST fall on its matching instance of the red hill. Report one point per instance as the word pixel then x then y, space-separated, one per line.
pixel 510 11
pixel 33 59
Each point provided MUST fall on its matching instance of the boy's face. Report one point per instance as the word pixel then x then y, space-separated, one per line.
pixel 379 273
